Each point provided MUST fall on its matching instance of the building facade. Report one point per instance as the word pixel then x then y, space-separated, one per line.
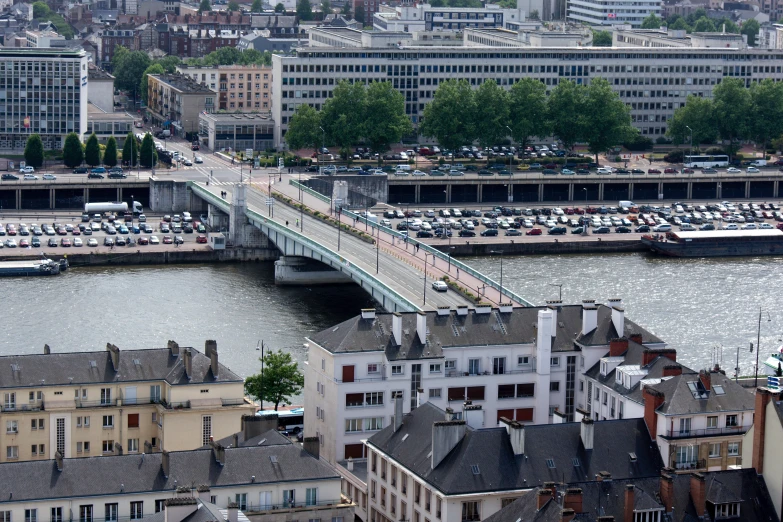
pixel 42 91
pixel 613 12
pixel 110 39
pixel 116 402
pixel 237 132
pixel 240 88
pixel 177 99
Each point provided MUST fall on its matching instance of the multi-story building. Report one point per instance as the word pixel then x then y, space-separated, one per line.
pixel 44 92
pixel 101 92
pixel 240 88
pixel 110 39
pixel 612 12
pixel 87 404
pixel 653 81
pixel 424 17
pixel 178 100
pixel 759 449
pixel 237 131
pixel 44 38
pixel 522 364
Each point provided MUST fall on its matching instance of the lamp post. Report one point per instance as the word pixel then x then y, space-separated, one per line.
pixel 321 152
pixel 377 249
pixel 501 270
pixel 690 150
pixel 511 154
pixel 758 346
pixel 339 208
pixel 424 302
pixel 560 288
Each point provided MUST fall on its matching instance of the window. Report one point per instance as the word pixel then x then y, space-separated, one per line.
pixel 311 496
pixel 685 426
pixel 133 445
pixel 397 369
pixel 85 513
pixel 56 515
pixel 206 429
pixel 110 512
pixel 715 450
pixel 35 396
pixel 108 446
pixel 108 421
pixel 105 396
pixel 731 421
pixel 523 360
pixel 155 393
pixel 12 452
pixel 470 511
pixel 160 504
pixel 241 500
pixel 373 424
pixel 727 510
pixel 734 449
pixel 5 516
pixel 36 424
pixel 435 368
pixel 137 510
pixel 30 515
pixel 374 398
pixel 712 423
pixel 554 386
pixel 434 393
pixel 372 368
pixel 605 398
pixel 474 366
pixel 12 426
pixel 9 401
pixel 289 497
pixel 554 361
pixel 450 365
pixel 397 394
pixel 353 425
pixel 133 420
pixel 499 365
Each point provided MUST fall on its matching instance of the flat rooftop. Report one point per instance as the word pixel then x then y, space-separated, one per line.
pixel 183 83
pixel 252 117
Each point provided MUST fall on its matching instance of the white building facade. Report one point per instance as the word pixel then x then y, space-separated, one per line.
pixel 612 12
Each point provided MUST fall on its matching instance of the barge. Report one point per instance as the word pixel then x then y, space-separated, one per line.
pixel 716 243
pixel 32 267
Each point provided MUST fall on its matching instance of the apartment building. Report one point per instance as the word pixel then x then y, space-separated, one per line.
pixel 178 100
pixel 760 443
pixel 240 88
pixel 116 402
pixel 521 364
pixel 652 81
pixel 110 39
pixel 42 91
pixel 424 17
pixel 612 12
pixel 44 38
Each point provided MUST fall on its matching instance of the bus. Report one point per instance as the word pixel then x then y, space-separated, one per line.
pixel 290 421
pixel 698 162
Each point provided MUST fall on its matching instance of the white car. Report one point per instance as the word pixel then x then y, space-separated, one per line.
pixel 419 173
pixel 10 243
pixel 733 170
pixel 766 226
pixel 154 240
pixel 30 177
pixel 199 159
pixel 440 286
pixel 730 226
pixel 77 242
pixel 748 226
pixel 753 170
pixel 385 223
pixel 26 170
pixel 50 177
pixel 92 242
pixel 187 162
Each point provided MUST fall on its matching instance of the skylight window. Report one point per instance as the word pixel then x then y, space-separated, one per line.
pixel 550 463
pixel 475 469
pixel 575 461
pixel 719 390
pixel 273 458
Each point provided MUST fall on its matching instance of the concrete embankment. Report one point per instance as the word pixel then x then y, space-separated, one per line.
pixel 178 256
pixel 543 248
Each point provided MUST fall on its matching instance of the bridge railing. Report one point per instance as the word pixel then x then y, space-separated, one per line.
pixel 441 255
pixel 308 190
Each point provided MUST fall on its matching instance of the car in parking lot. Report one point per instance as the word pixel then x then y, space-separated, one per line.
pixel 440 286
pixel 77 242
pixel 143 240
pixel 92 242
pixel 557 231
pixel 642 228
pixel 10 177
pixel 108 241
pixel 513 232
pixel 534 232
pixel 489 232
pixel 601 230
pixel 578 230
pixel 663 227
pixel 423 233
pixel 622 229
pixel 467 233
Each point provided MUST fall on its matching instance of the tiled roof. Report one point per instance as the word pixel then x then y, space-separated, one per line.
pixel 680 399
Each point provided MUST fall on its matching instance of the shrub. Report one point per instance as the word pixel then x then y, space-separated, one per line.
pixel 675 156
pixel 639 143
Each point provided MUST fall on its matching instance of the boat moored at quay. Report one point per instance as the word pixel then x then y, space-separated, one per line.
pixel 717 243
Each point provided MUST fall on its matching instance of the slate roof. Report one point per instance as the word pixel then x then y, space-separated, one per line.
pixel 35 480
pixel 135 365
pixel 453 331
pixel 96 73
pixel 205 512
pixel 680 399
pixel 269 438
pixel 500 469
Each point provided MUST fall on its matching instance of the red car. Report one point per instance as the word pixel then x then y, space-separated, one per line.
pixel 686 170
pixel 24 243
pixel 167 240
pixel 143 241
pixel 65 242
pixel 201 239
pixel 780 226
pixel 670 171
pixel 653 171
pixel 533 232
pixel 76 231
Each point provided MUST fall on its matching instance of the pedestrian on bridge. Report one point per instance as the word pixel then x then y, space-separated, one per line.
pixel 458 273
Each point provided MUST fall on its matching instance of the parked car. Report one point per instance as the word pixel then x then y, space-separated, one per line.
pixel 533 232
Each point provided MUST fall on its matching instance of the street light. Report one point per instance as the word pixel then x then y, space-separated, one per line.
pixel 377 249
pixel 560 287
pixel 424 302
pixel 501 271
pixel 339 208
pixel 690 150
pixel 510 157
pixel 321 152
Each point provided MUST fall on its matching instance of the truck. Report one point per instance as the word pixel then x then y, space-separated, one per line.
pixel 119 207
pixel 626 204
pixel 758 163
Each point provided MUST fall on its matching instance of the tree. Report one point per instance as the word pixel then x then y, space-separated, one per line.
pixel 697 14
pixel 130 150
pixel 652 22
pixel 385 118
pixel 732 111
pixel 602 38
pixel 680 25
pixel 92 151
pixel 110 154
pixel 326 7
pixel 704 25
pixel 73 152
pixel 729 25
pixel 280 8
pixel 304 129
pixel 252 56
pixel 223 56
pixel 155 68
pixel 169 63
pixel 34 151
pixel 448 117
pixel 233 6
pixel 697 113
pixel 766 121
pixel 40 10
pixel 359 16
pixel 120 53
pixel 346 11
pixel 342 116
pixel 607 118
pixel 147 154
pixel 751 29
pixel 278 381
pixel 204 6
pixel 527 111
pixel 304 10
pixel 491 113
pixel 564 109
pixel 257 6
pixel 130 70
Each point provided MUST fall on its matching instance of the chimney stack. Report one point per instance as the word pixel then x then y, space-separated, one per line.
pixel 544 341
pixel 705 379
pixel 419 396
pixel 179 508
pixel 699 494
pixel 618 316
pixel 254 425
pixel 350 464
pixel 220 452
pixel 554 306
pixel 567 515
pixel 652 401
pixel 573 499
pixel 397 413
pixel 589 316
pixel 187 360
pixel 368 313
pixel 629 503
pixel 203 493
pixel 636 337
pixel 236 440
pixel 397 328
pixel 474 415
pixel 47 350
pixel 542 497
pixel 449 414
pixel 312 445
pixel 516 435
pixel 58 457
pixel 444 310
pixel 763 398
pixel 210 350
pixel 233 512
pixel 445 436
pixel 173 348
pixel 666 491
pixel 462 310
pixel 672 370
pixel 165 463
pixel 114 353
pixel 617 347
pixel 421 327
pixel 587 432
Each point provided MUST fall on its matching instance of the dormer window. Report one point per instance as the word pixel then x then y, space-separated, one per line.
pixel 648 515
pixel 618 378
pixel 730 510
pixel 604 368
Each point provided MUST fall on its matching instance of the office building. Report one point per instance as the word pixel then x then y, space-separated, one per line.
pixel 177 100
pixel 424 17
pixel 240 88
pixel 42 91
pixel 612 12
pixel 237 131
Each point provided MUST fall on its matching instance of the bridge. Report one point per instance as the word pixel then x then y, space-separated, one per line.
pixel 395 272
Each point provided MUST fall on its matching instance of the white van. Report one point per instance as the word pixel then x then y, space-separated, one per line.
pixel 663 227
pixel 625 204
pixel 403 167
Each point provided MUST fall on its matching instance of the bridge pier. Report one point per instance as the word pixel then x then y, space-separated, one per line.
pixel 296 270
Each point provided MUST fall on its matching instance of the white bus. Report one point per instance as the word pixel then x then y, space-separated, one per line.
pixel 706 161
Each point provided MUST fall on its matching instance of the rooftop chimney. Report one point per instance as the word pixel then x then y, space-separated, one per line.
pixel 542 497
pixel 567 515
pixel 179 508
pixel 587 432
pixel 165 463
pixel 554 306
pixel 187 360
pixel 398 413
pixel 233 512
pixel 312 445
pixel 444 310
pixel 516 435
pixel 445 436
pixel 254 425
pixel 368 313
pixel 462 309
pixel 173 349
pixel 47 350
pixel 419 396
pixel 705 379
pixel 699 494
pixel 636 337
pixel 58 457
pixel 573 499
pixel 617 347
pixel 652 401
pixel 589 316
pixel 350 464
pixel 474 415
pixel 210 350
pixel 671 370
pixel 236 440
pixel 483 309
pixel 397 328
pixel 114 352
pixel 220 452
pixel 449 414
pixel 203 493
pixel 421 327
pixel 629 503
pixel 648 356
pixel 505 308
pixel 544 341
pixel 763 398
pixel 618 318
pixel 667 491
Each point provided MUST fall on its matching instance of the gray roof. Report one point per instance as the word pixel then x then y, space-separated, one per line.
pixel 680 399
pixel 452 331
pixel 135 365
pixel 490 449
pixel 205 512
pixel 35 480
pixel 269 438
pixel 183 83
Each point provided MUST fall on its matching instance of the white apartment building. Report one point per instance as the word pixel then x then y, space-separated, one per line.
pixel 42 91
pixel 612 12
pixel 521 364
pixel 652 81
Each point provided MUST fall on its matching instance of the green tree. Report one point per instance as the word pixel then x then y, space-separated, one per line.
pixel 607 118
pixel 110 154
pixel 257 6
pixel 726 23
pixel 751 29
pixel 204 6
pixel 92 151
pixel 130 70
pixel 40 10
pixel 120 54
pixel 130 150
pixel 304 129
pixel 732 112
pixel 278 382
pixel 346 11
pixel 359 15
pixel 342 116
pixel 680 25
pixel 385 118
pixel 34 151
pixel 223 56
pixel 304 10
pixel 602 38
pixel 448 117
pixel 73 152
pixel 326 7
pixel 652 22
pixel 697 113
pixel 280 8
pixel 233 6
pixel 696 15
pixel 169 63
pixel 147 154
pixel 766 121
pixel 564 109
pixel 252 56
pixel 491 113
pixel 704 25
pixel 155 68
pixel 534 14
pixel 527 111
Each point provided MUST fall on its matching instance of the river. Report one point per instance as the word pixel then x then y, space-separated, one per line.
pixel 694 305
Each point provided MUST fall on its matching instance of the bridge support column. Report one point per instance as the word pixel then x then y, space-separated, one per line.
pixel 480 193
pixel 540 192
pixel 600 192
pixel 719 191
pixel 775 186
pixel 295 270
pixel 689 193
pixel 510 193
pixel 51 198
pixel 448 193
pixel 747 189
pixel 630 191
pixel 237 216
pixel 570 192
pixel 417 195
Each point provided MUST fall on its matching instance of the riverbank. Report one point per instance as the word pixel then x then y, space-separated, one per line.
pixel 148 257
pixel 561 246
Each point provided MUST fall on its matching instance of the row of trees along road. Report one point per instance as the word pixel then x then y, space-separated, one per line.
pixel 594 114
pixel 734 114
pixel 133 152
pixel 373 114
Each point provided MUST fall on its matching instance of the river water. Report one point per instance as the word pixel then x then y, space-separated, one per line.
pixel 694 305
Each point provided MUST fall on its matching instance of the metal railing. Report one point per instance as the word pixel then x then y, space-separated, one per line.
pixel 280 506
pixel 314 193
pixel 689 464
pixel 686 434
pixel 457 373
pixel 234 402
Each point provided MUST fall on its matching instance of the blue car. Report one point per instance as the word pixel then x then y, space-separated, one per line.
pixel 98 170
pixel 123 229
pixel 136 229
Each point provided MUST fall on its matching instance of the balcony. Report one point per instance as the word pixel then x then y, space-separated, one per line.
pixel 297 506
pixel 709 432
pixel 688 464
pixel 455 373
